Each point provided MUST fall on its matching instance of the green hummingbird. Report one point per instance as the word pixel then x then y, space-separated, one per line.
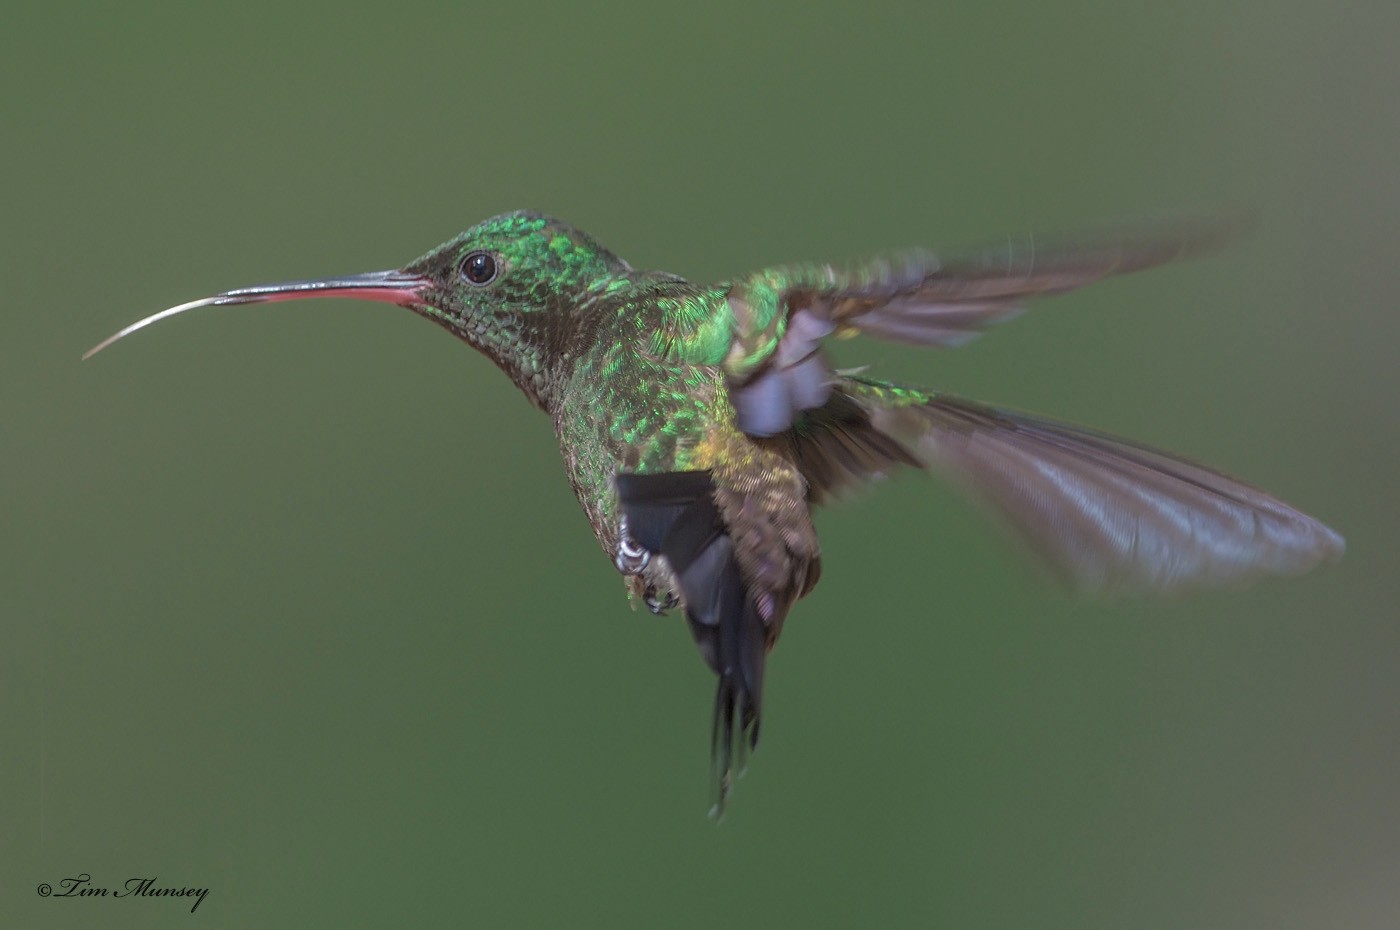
pixel 701 423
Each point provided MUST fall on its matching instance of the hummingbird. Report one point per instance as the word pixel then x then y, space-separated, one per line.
pixel 700 424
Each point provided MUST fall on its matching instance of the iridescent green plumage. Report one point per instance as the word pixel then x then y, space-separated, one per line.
pixel 699 425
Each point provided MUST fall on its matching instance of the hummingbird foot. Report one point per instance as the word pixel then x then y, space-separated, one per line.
pixel 657 598
pixel 659 602
pixel 650 580
pixel 631 557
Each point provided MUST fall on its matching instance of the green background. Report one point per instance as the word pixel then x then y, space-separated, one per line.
pixel 296 602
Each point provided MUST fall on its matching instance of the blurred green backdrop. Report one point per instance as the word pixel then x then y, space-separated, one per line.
pixel 297 605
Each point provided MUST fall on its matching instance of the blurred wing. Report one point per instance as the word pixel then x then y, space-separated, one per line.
pixel 1106 514
pixel 778 317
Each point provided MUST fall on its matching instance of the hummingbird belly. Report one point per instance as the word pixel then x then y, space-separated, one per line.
pixel 677 418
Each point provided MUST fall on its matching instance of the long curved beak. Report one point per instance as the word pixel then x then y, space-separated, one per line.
pixel 395 287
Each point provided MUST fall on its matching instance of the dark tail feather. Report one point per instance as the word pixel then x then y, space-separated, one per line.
pixel 674 515
pixel 734 641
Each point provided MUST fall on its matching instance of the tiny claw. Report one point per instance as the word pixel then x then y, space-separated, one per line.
pixel 657 604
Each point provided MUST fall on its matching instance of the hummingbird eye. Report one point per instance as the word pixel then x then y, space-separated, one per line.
pixel 479 268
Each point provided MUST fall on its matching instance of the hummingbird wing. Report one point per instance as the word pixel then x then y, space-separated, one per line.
pixel 777 318
pixel 1106 514
pixel 675 515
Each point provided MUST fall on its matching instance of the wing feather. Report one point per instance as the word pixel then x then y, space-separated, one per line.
pixel 779 317
pixel 1106 514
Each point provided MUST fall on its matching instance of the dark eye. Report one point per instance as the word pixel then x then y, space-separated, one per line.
pixel 479 268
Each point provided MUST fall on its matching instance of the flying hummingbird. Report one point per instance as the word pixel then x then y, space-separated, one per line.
pixel 701 423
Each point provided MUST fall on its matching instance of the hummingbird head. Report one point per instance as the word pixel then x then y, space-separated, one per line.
pixel 513 286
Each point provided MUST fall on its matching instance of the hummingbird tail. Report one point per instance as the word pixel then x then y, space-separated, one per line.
pixel 674 515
